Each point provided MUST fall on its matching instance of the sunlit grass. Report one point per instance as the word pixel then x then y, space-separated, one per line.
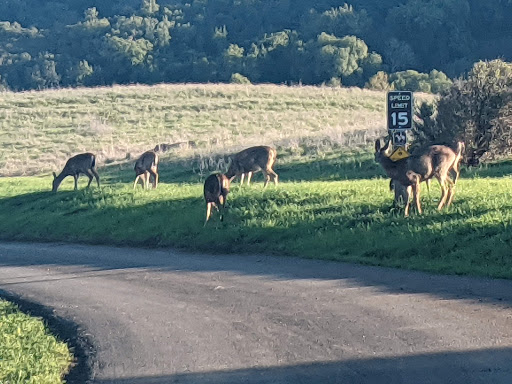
pixel 348 220
pixel 28 352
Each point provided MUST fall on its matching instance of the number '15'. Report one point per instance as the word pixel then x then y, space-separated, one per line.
pixel 399 118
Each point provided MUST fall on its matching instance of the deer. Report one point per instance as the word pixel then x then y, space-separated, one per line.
pixel 423 165
pixel 82 163
pixel 216 189
pixel 251 160
pixel 145 167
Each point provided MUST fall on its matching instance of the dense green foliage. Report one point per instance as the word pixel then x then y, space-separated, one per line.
pixel 92 42
pixel 29 354
pixel 477 109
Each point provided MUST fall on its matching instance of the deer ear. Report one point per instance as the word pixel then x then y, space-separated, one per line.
pixel 377 145
pixel 54 175
pixel 387 148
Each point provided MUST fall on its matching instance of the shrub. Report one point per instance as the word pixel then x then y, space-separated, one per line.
pixel 476 109
pixel 237 78
pixel 434 82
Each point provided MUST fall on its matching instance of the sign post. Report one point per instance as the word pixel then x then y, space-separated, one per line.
pixel 399 111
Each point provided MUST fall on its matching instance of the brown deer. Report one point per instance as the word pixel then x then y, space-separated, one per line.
pixel 145 167
pixel 424 164
pixel 82 163
pixel 216 189
pixel 253 159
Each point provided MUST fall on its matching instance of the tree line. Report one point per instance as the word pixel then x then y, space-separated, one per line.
pixel 418 45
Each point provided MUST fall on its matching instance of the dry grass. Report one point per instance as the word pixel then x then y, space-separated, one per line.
pixel 41 129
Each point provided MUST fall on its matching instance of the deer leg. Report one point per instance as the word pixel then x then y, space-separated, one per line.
pixel 444 194
pixel 155 178
pixel 417 191
pixel 143 180
pixel 406 209
pixel 451 192
pixel 242 176
pixel 75 176
pixel 208 212
pixel 95 174
pixel 222 201
pixel 274 176
pixel 90 178
pixel 136 180
pixel 267 178
pixel 249 175
pixel 146 180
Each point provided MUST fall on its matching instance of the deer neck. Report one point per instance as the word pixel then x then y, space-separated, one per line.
pixel 396 170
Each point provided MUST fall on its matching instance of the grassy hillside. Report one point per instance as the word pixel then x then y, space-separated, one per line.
pixel 332 202
pixel 40 130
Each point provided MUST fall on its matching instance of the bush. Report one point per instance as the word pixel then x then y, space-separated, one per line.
pixel 476 109
pixel 434 82
pixel 237 78
pixel 379 82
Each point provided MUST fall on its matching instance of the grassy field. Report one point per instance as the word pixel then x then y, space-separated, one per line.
pixel 332 203
pixel 28 353
pixel 40 130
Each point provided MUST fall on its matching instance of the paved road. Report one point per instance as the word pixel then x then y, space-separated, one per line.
pixel 146 316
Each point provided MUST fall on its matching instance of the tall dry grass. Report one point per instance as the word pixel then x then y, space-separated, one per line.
pixel 39 130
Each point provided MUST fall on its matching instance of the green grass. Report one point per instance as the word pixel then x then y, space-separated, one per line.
pixel 334 207
pixel 28 352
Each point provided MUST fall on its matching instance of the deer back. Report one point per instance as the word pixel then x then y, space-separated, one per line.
pixel 425 163
pixel 148 160
pixel 215 185
pixel 432 161
pixel 252 159
pixel 79 163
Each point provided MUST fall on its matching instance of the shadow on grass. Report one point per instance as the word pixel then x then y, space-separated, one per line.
pixel 340 166
pixel 481 366
pixel 364 234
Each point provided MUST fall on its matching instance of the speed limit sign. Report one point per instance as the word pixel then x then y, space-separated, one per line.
pixel 399 110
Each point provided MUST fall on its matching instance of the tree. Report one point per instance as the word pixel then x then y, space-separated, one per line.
pixel 476 109
pixel 149 7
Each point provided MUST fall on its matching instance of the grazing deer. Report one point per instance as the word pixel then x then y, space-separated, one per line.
pixel 146 166
pixel 424 164
pixel 82 163
pixel 216 189
pixel 253 159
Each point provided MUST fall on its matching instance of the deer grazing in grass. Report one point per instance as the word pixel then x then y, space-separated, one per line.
pixel 83 163
pixel 216 189
pixel 423 165
pixel 145 167
pixel 251 160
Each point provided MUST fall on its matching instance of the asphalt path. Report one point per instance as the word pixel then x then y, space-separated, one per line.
pixel 162 316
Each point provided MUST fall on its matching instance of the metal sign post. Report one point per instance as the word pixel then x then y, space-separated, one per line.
pixel 399 111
